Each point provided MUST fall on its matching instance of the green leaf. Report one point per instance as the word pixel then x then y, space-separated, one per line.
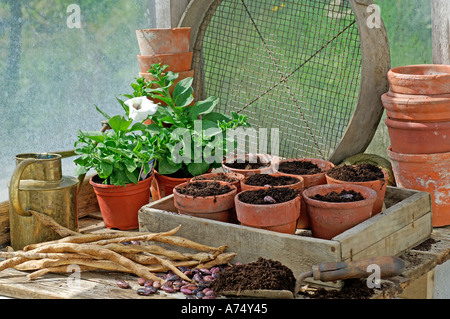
pixel 93 135
pixel 119 124
pixel 153 128
pixel 183 92
pixel 80 170
pixel 124 106
pixel 138 127
pixel 203 107
pixel 197 169
pixel 102 113
pixel 105 170
pixel 216 117
pixel 166 166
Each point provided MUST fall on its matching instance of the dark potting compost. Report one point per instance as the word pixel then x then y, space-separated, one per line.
pixel 353 289
pixel 341 197
pixel 204 189
pixel 266 179
pixel 261 274
pixel 218 177
pixel 247 164
pixel 299 168
pixel 277 195
pixel 358 173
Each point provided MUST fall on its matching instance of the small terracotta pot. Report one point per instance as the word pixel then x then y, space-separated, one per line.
pixel 330 219
pixel 420 79
pixel 419 138
pixel 417 108
pixel 181 76
pixel 428 173
pixel 163 41
pixel 219 207
pixel 309 180
pixel 163 185
pixel 280 217
pixel 119 205
pixel 265 158
pixel 379 186
pixel 299 185
pixel 211 177
pixel 176 62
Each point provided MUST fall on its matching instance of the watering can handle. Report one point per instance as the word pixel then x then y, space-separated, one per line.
pixel 14 186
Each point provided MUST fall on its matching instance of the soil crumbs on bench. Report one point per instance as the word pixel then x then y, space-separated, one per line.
pixel 257 197
pixel 223 177
pixel 359 173
pixel 299 168
pixel 204 189
pixel 266 179
pixel 261 274
pixel 341 197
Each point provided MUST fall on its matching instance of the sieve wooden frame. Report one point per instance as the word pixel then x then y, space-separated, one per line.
pixel 375 64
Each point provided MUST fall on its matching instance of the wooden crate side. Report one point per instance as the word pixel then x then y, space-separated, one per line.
pixel 296 252
pixel 381 226
pixel 398 242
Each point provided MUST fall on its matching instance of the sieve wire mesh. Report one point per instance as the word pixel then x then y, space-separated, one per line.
pixel 294 65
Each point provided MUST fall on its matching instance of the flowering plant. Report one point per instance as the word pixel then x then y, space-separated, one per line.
pixel 122 154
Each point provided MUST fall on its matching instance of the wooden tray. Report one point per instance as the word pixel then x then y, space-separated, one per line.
pixel 406 222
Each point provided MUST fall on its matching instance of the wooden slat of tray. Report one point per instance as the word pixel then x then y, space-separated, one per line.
pixel 399 227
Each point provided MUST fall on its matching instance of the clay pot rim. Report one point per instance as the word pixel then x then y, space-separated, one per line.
pixel 239 177
pixel 385 173
pixel 233 190
pixel 400 71
pixel 304 159
pixel 181 73
pixel 417 126
pixel 169 178
pixel 264 205
pixel 162 55
pixel 163 29
pixel 273 160
pixel 415 99
pixel 333 187
pixel 108 186
pixel 300 180
pixel 417 158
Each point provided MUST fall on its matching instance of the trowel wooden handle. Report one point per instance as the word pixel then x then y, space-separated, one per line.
pixel 388 266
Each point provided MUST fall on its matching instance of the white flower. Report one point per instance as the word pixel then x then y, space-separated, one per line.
pixel 140 108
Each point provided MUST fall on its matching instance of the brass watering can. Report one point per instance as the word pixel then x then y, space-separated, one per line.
pixel 37 184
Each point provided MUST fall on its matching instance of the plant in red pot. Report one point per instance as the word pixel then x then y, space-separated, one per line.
pixel 123 159
pixel 190 138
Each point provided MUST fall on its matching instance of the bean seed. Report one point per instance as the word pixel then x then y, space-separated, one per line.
pixel 123 284
pixel 200 294
pixel 167 289
pixel 209 297
pixel 198 277
pixel 208 278
pixel 205 271
pixel 173 278
pixel 209 293
pixel 141 281
pixel 156 284
pixel 148 283
pixel 215 270
pixel 146 291
pixel 189 273
pixel 186 291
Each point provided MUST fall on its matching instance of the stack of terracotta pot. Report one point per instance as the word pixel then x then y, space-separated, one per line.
pixel 168 47
pixel 418 121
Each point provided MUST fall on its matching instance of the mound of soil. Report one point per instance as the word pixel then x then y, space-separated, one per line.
pixel 204 189
pixel 247 164
pixel 218 177
pixel 358 173
pixel 341 197
pixel 259 197
pixel 261 274
pixel 266 179
pixel 353 289
pixel 299 168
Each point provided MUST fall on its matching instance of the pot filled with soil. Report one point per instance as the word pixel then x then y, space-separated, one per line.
pixel 163 185
pixel 275 209
pixel 419 137
pixel 206 199
pixel 312 170
pixel 232 178
pixel 335 208
pixel 427 173
pixel 363 174
pixel 119 205
pixel 250 164
pixel 259 181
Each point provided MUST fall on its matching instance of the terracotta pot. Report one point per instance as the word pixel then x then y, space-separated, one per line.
pixel 163 41
pixel 419 138
pixel 280 217
pixel 379 186
pixel 309 180
pixel 163 185
pixel 428 173
pixel 219 207
pixel 299 185
pixel 420 79
pixel 177 62
pixel 330 219
pixel 417 108
pixel 212 176
pixel 181 76
pixel 264 158
pixel 119 205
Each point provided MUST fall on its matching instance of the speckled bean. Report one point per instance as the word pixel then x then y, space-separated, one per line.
pixel 122 284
